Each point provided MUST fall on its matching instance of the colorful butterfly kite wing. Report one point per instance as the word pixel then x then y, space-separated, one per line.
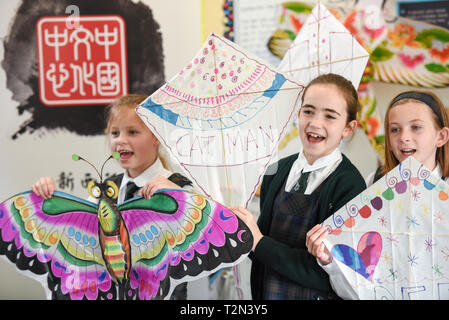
pixel 45 236
pixel 192 238
pixel 175 236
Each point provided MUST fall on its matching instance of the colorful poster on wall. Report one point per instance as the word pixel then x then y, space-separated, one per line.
pixel 78 57
pixel 390 242
pixel 431 11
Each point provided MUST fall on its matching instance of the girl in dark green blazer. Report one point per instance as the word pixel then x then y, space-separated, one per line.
pixel 302 190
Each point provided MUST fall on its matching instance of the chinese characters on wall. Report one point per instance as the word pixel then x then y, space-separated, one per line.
pixel 66 181
pixel 81 64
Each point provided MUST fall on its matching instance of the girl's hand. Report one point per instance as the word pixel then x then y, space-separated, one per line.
pixel 44 187
pixel 315 244
pixel 157 183
pixel 248 218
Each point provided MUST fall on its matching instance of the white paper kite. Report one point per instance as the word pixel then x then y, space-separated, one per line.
pixel 391 241
pixel 221 117
pixel 324 45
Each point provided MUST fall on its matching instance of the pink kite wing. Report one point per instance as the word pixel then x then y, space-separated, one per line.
pixel 192 239
pixel 174 237
pixel 58 237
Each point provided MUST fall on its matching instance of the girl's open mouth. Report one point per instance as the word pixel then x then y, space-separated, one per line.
pixel 408 152
pixel 125 155
pixel 314 138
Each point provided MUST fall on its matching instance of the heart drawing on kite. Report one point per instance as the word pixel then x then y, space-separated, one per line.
pixel 365 259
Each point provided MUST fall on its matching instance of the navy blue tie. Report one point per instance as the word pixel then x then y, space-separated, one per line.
pixel 131 187
pixel 301 185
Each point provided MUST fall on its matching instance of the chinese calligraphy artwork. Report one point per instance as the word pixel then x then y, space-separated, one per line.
pixel 222 117
pixel 390 242
pixel 82 64
pixel 78 110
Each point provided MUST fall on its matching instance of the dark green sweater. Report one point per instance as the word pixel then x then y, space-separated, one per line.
pixel 296 263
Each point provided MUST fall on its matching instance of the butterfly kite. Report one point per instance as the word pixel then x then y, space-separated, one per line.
pixel 390 242
pixel 140 249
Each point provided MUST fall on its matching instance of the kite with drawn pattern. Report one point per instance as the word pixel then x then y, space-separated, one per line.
pixel 323 45
pixel 222 117
pixel 391 241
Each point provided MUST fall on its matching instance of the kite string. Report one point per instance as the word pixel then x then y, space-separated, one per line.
pixel 269 90
pixel 228 203
pixel 318 37
pixel 326 62
pixel 409 228
pixel 235 269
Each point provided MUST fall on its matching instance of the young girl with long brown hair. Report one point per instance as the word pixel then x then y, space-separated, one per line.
pixel 303 190
pixel 416 124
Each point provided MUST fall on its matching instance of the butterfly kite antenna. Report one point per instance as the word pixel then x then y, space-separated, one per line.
pixel 115 155
pixel 77 157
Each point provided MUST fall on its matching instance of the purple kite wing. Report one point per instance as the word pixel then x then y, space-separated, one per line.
pixel 58 237
pixel 193 240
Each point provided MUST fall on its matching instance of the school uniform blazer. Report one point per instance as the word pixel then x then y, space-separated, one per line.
pixel 296 263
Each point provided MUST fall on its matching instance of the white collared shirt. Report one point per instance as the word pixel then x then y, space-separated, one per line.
pixel 439 172
pixel 319 170
pixel 152 172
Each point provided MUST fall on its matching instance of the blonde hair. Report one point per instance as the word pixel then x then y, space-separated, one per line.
pixel 130 101
pixel 440 120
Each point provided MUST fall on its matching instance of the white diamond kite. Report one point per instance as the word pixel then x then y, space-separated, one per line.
pixel 221 117
pixel 391 241
pixel 324 45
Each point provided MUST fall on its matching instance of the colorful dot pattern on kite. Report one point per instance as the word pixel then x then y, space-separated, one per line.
pixel 390 242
